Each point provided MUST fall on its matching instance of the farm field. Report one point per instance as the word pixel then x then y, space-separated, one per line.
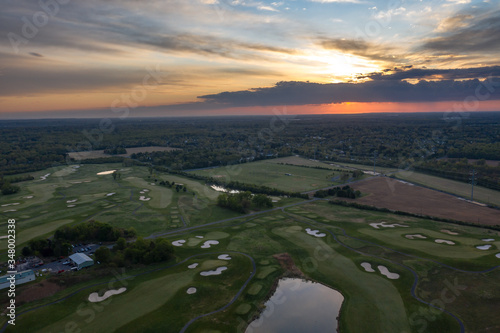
pixel 270 173
pixel 481 194
pixel 156 297
pixel 396 195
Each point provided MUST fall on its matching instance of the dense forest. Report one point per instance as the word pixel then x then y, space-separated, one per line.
pixel 417 141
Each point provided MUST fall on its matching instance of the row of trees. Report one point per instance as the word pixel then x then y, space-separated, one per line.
pixel 139 252
pixel 47 248
pixel 93 231
pixel 344 192
pixel 244 201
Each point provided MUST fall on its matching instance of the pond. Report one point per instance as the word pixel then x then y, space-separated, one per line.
pixel 299 306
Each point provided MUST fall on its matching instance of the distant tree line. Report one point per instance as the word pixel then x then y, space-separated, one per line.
pixel 244 201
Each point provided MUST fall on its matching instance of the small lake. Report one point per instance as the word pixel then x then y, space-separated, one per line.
pixel 299 306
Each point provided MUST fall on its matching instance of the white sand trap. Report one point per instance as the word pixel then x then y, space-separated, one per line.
pixel 11 204
pixel 315 233
pixel 385 225
pixel 105 172
pixel 44 177
pixel 108 172
pixel 152 184
pixel 193 265
pixel 145 190
pixel 69 206
pixel 142 192
pixel 200 237
pixel 218 271
pixel 10 210
pixel 71 201
pixel 86 181
pixel 28 197
pixel 483 247
pixel 191 290
pixel 178 242
pixel 367 266
pixel 449 232
pixel 444 241
pixel 222 189
pixel 224 257
pixel 143 198
pixel 94 297
pixel 415 236
pixel 385 271
pixel 497 255
pixel 110 194
pixel 488 240
pixel 209 243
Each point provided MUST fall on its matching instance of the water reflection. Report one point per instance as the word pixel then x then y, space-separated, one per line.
pixel 299 306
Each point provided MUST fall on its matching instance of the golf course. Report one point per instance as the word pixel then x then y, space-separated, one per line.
pixel 396 273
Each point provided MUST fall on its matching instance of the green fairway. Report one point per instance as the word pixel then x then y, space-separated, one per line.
pixel 157 300
pixel 292 178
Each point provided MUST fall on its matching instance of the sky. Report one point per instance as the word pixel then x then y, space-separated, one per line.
pixel 129 58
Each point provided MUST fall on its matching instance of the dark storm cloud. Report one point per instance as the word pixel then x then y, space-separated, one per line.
pixel 471 31
pixel 403 73
pixel 302 93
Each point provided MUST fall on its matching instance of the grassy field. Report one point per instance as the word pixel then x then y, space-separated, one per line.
pixel 293 178
pixel 481 194
pixel 458 278
pixel 157 301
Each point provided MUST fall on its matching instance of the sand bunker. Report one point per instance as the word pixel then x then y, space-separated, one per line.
pixel 105 172
pixel 218 271
pixel 497 255
pixel 449 232
pixel 69 206
pixel 11 204
pixel 94 297
pixel 384 271
pixel 444 241
pixel 415 236
pixel 209 243
pixel 224 257
pixel 200 237
pixel 110 194
pixel 145 190
pixel 367 266
pixel 488 240
pixel 71 201
pixel 28 197
pixel 193 265
pixel 314 233
pixel 44 177
pixel 143 198
pixel 191 290
pixel 10 210
pixel 178 242
pixel 222 189
pixel 483 247
pixel 385 225
pixel 152 184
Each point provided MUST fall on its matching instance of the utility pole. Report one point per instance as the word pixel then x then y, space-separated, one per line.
pixel 472 182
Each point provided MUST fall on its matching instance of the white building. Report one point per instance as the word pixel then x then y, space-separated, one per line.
pixel 21 277
pixel 81 260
